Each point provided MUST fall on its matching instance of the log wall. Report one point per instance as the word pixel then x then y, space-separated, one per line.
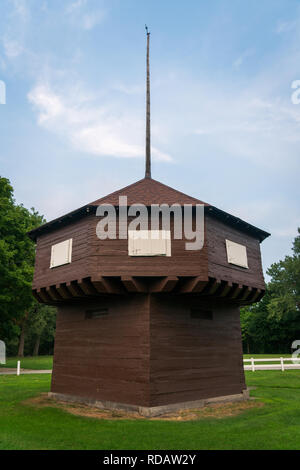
pixel 194 358
pixel 148 351
pixel 93 257
pixel 104 358
pixel 80 266
pixel 216 234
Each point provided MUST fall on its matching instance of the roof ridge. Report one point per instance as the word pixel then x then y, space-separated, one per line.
pixel 152 193
pixel 146 180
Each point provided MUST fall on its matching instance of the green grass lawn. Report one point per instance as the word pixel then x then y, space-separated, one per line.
pixel 276 425
pixel 28 362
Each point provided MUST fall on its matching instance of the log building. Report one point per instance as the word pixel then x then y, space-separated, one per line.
pixel 147 326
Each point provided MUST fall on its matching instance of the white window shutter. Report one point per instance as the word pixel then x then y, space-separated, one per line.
pixel 236 254
pixel 149 243
pixel 61 253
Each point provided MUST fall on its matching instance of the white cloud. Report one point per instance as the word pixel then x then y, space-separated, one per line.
pixel 80 14
pixel 285 26
pixel 92 129
pixel 21 9
pixel 13 35
pixel 90 20
pixel 12 48
pixel 73 6
pixel 250 125
pixel 241 59
pixel 2 64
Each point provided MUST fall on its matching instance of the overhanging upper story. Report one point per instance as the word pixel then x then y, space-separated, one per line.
pixel 73 263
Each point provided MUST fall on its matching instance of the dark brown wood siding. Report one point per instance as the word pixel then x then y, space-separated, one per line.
pixel 216 234
pixel 193 358
pixel 111 258
pixel 105 358
pixel 92 257
pixel 80 266
pixel 148 351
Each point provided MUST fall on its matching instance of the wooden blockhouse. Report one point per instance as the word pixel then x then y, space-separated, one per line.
pixel 147 332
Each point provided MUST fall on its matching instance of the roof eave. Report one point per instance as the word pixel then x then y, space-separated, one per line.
pixel 238 223
pixel 90 208
pixel 61 221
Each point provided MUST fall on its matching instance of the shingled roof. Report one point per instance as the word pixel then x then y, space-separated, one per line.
pixel 148 191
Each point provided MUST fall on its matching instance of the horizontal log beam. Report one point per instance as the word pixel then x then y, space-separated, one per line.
pixel 74 289
pixel 63 291
pixel 195 284
pixel 236 289
pixel 260 295
pixel 166 284
pixel 169 284
pixel 244 294
pixel 53 294
pixel 37 296
pixel 214 287
pixel 99 285
pixel 107 285
pixel 133 284
pixel 226 289
pixel 44 296
pixel 208 286
pixel 87 287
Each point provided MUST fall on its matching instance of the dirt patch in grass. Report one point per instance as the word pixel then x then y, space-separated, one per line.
pixel 216 410
pixel 223 410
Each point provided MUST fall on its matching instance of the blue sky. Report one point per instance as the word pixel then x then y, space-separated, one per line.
pixel 224 128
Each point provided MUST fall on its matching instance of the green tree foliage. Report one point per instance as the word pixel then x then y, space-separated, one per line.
pixel 17 254
pixel 274 323
pixel 40 329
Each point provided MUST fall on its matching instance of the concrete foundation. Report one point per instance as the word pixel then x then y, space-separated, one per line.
pixel 150 412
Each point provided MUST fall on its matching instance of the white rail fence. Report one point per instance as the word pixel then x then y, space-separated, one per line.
pixel 294 363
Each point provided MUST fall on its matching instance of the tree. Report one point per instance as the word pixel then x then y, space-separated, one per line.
pixel 272 324
pixel 17 254
pixel 40 327
pixel 284 305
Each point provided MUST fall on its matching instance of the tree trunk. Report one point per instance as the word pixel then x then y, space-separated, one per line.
pixel 248 347
pixel 22 341
pixel 37 346
pixel 22 335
